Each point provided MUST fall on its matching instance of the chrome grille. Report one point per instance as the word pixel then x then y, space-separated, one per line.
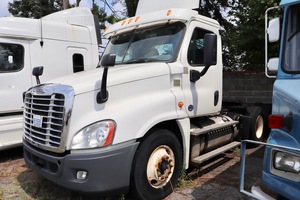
pixel 43 118
pixel 44 115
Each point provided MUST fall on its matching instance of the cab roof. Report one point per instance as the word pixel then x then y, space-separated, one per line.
pixel 146 6
pixel 158 17
pixel 288 2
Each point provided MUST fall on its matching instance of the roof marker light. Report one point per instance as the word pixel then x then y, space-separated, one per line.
pixel 130 20
pixel 123 22
pixel 137 18
pixel 169 12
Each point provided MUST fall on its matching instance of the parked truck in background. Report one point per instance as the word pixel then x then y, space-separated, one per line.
pixel 281 162
pixel 63 43
pixel 151 109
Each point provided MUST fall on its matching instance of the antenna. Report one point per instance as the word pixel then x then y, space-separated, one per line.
pixel 41 42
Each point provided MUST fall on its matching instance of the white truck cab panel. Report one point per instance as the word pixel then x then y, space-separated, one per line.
pixel 63 43
pixel 200 95
pixel 11 84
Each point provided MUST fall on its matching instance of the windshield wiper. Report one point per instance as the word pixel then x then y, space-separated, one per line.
pixel 141 60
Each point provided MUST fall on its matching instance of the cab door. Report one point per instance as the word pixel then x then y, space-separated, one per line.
pixel 15 74
pixel 203 96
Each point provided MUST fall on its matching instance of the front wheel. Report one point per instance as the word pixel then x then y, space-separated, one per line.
pixel 157 166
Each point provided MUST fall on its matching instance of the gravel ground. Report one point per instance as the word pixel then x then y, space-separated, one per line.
pixel 219 179
pixel 216 179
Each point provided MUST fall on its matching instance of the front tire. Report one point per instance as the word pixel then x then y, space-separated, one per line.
pixel 157 166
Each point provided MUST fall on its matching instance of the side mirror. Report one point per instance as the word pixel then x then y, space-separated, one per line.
pixel 210 49
pixel 210 56
pixel 272 34
pixel 273 30
pixel 273 64
pixel 38 71
pixel 108 60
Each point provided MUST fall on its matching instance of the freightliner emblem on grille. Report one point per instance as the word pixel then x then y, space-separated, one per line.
pixel 37 121
pixel 37 91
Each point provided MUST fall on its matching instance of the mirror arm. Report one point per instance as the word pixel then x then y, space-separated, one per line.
pixel 102 96
pixel 107 61
pixel 196 75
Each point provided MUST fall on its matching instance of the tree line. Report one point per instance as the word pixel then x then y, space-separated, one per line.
pixel 242 23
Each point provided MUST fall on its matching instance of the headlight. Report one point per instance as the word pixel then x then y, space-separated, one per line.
pixel 95 135
pixel 287 162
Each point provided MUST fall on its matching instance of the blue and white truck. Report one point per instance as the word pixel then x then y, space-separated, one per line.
pixel 281 163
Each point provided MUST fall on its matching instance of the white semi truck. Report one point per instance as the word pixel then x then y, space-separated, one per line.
pixel 63 43
pixel 151 109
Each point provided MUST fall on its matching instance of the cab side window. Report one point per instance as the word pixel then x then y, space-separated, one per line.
pixel 78 63
pixel 196 47
pixel 11 57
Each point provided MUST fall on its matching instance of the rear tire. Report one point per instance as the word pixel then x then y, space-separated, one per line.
pixel 157 166
pixel 257 124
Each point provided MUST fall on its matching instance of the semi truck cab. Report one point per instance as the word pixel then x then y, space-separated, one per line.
pixel 151 109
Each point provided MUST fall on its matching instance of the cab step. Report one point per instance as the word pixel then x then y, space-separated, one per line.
pixel 215 152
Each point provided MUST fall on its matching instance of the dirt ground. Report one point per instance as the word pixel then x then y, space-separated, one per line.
pixel 216 179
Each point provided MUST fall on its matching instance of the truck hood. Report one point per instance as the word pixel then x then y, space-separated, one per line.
pixel 91 80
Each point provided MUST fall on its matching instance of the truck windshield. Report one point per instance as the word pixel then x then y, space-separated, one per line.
pixel 291 53
pixel 155 44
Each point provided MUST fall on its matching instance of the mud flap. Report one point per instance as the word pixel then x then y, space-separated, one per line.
pixel 244 126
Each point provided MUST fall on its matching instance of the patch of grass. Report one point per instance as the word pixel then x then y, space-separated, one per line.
pixel 184 179
pixel 46 194
pixel 119 197
pixel 1 194
pixel 122 197
pixel 237 151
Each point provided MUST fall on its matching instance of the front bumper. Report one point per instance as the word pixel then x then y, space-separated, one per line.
pixel 108 169
pixel 284 187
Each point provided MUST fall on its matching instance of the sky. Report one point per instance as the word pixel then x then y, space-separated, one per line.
pixel 3 8
pixel 84 3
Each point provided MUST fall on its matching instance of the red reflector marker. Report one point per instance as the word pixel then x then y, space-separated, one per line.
pixel 275 121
